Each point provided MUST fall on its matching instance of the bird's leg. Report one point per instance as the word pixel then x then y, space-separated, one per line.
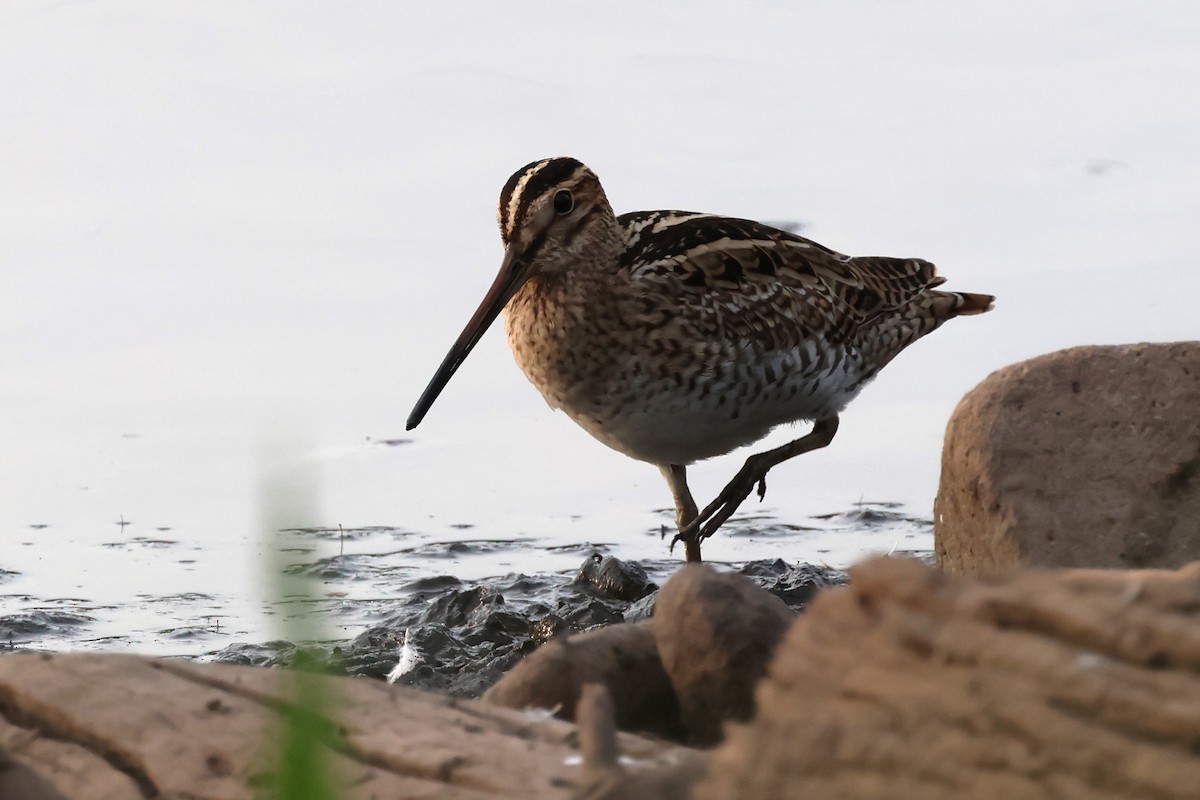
pixel 753 472
pixel 685 507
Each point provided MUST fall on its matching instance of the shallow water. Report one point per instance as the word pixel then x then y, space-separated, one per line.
pixel 237 237
pixel 362 577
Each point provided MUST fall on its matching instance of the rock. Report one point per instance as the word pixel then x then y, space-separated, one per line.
pixel 112 727
pixel 456 608
pixel 1088 457
pixel 642 609
pixel 546 628
pixel 716 632
pixel 911 683
pixel 794 585
pixel 623 658
pixel 612 577
pixel 467 635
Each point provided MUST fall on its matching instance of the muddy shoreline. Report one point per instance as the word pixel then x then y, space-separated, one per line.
pixel 470 608
pixel 462 636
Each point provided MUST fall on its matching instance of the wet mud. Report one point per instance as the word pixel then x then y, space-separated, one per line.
pixel 384 599
pixel 462 637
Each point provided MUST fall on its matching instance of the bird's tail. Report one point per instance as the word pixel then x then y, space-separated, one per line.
pixel 971 303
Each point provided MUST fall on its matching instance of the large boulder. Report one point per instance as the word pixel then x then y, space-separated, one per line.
pixel 1088 457
pixel 911 683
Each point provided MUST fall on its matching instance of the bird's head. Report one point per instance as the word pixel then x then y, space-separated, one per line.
pixel 551 212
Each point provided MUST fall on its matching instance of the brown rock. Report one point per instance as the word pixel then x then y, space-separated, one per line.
pixel 716 632
pixel 179 730
pixel 910 683
pixel 1088 457
pixel 623 658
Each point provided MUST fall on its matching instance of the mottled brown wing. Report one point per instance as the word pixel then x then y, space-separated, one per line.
pixel 741 265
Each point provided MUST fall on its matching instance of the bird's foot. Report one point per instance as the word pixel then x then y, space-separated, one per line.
pixel 753 473
pixel 691 544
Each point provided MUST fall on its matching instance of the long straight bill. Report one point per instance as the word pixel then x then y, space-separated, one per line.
pixel 504 287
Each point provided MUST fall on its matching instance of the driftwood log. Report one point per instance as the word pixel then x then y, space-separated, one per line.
pixel 122 727
pixel 910 683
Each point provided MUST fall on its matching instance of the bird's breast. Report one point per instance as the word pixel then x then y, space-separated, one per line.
pixel 658 386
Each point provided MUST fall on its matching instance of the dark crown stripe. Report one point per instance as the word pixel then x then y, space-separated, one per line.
pixel 544 176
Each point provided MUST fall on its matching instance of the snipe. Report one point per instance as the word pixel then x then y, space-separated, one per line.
pixel 673 336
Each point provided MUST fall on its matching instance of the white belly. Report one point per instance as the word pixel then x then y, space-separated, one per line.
pixel 662 424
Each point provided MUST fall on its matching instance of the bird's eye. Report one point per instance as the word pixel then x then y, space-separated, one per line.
pixel 563 202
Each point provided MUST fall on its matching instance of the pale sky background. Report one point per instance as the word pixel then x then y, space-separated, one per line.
pixel 226 223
